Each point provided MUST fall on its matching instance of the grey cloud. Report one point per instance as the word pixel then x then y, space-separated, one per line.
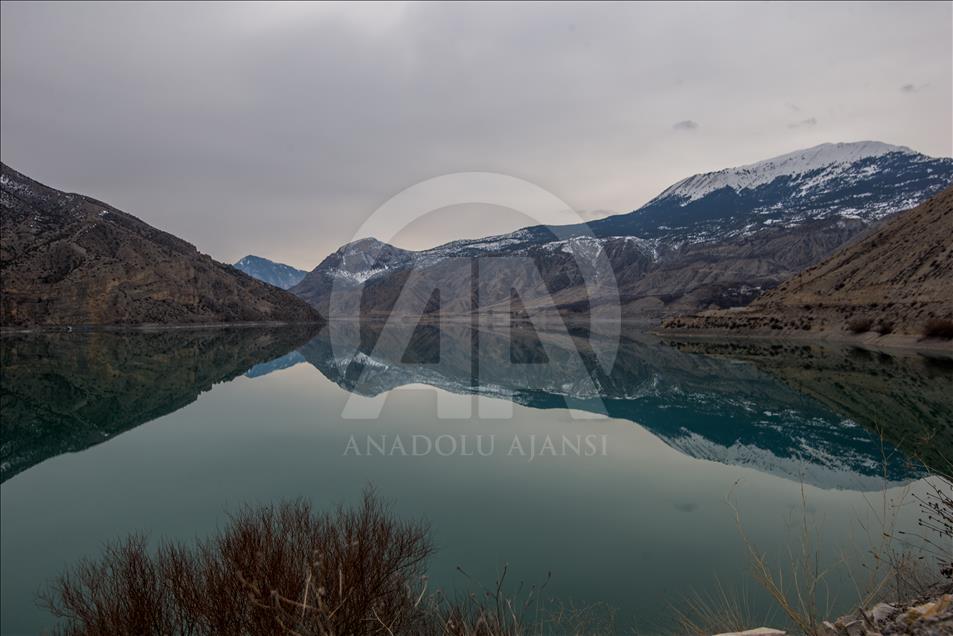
pixel 278 129
pixel 912 88
pixel 686 124
pixel 810 121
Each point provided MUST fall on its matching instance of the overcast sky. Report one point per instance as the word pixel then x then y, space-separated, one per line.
pixel 278 129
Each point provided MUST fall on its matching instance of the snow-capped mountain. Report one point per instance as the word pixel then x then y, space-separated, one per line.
pixel 277 274
pixel 711 240
pixel 831 160
pixel 866 181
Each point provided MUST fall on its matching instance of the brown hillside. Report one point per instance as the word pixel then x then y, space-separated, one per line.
pixel 67 259
pixel 898 279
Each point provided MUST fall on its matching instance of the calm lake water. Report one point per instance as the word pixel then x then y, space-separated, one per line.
pixel 627 504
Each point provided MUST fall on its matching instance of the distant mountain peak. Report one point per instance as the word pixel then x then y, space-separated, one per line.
pixel 269 271
pixel 366 243
pixel 833 156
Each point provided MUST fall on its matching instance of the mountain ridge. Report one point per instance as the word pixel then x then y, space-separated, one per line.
pixel 676 254
pixel 67 259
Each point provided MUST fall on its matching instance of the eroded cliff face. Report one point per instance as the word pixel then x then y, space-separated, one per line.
pixel 67 259
pixel 63 392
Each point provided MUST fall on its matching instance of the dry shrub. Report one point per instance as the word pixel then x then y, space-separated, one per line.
pixel 272 570
pixel 860 325
pixel 884 327
pixel 938 328
pixel 285 569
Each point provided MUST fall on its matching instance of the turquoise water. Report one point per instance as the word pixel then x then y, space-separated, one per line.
pixel 106 434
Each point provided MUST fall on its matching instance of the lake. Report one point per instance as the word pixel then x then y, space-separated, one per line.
pixel 521 447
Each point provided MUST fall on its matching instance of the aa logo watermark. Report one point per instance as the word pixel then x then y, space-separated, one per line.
pixel 528 447
pixel 486 317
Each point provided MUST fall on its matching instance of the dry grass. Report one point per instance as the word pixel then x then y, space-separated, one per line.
pixel 936 524
pixel 717 612
pixel 894 568
pixel 797 587
pixel 525 612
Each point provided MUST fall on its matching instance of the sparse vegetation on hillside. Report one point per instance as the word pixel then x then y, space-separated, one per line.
pixel 860 325
pixel 938 328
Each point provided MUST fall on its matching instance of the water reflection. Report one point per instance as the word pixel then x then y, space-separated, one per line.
pixel 64 392
pixel 839 429
pixel 833 418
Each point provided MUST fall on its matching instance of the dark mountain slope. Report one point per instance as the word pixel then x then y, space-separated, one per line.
pixel 67 259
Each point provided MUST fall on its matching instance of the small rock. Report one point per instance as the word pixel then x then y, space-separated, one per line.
pixel 855 628
pixel 881 612
pixel 757 631
pixel 827 629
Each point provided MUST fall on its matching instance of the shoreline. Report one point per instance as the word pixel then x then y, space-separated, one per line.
pixel 900 343
pixel 149 327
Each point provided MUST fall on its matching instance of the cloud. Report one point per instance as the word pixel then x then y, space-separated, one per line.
pixel 804 123
pixel 289 125
pixel 912 88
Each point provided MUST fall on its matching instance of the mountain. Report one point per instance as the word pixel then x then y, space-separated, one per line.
pixel 67 259
pixel 713 240
pixel 896 279
pixel 866 180
pixel 277 274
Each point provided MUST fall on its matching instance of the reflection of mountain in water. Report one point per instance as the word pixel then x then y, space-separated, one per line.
pixel 800 412
pixel 908 400
pixel 284 362
pixel 66 392
pixel 710 407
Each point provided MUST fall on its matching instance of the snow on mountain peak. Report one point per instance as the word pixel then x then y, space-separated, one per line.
pixel 835 156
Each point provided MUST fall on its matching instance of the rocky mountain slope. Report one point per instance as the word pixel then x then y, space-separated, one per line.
pixel 712 240
pixel 268 271
pixel 897 279
pixel 67 259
